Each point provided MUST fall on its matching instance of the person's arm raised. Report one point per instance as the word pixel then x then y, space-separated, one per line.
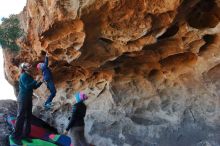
pixel 46 60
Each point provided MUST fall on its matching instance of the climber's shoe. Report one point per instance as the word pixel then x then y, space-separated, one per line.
pixel 48 105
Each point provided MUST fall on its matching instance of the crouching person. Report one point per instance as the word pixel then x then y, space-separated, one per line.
pixel 76 123
pixel 26 86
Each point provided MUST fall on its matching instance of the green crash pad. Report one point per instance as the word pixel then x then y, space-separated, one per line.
pixel 35 142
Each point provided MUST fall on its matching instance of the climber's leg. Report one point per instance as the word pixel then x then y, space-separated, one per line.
pixel 82 138
pixel 17 134
pixel 78 137
pixel 20 120
pixel 51 87
pixel 27 127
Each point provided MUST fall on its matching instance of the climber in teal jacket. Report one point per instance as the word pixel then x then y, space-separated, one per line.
pixel 26 86
pixel 48 78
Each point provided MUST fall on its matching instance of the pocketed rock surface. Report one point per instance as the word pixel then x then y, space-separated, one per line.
pixel 151 68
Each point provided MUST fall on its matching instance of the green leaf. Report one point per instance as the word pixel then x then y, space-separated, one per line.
pixel 10 31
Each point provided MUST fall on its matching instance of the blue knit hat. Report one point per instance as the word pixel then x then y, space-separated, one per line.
pixel 79 96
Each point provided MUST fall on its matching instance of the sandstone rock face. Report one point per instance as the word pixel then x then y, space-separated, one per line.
pixel 150 68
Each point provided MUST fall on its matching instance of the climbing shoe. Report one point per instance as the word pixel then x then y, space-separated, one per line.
pixel 48 105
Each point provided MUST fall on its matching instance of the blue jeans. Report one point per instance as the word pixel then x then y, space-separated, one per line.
pixel 51 87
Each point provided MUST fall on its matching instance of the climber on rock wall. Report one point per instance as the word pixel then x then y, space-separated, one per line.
pixel 48 79
pixel 76 123
pixel 24 99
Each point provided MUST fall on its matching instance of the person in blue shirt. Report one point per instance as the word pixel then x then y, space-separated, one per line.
pixel 48 79
pixel 26 86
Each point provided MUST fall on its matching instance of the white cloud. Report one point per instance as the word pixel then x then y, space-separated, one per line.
pixel 8 7
pixel 6 89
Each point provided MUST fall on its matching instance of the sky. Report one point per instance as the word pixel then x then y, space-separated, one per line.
pixel 6 89
pixel 8 7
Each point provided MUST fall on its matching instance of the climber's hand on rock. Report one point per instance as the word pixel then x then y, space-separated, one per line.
pixel 65 132
pixel 41 80
pixel 38 78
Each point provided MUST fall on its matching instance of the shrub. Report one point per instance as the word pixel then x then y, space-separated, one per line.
pixel 10 31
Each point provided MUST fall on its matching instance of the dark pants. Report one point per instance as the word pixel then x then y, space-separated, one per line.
pixel 51 87
pixel 23 123
pixel 78 138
